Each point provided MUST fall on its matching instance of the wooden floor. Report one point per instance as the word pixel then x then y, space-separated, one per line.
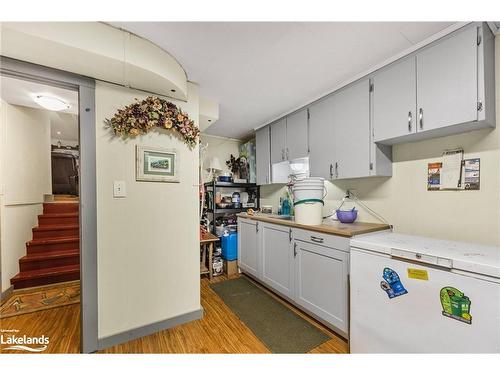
pixel 220 331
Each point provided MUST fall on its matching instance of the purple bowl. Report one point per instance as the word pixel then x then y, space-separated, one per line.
pixel 347 216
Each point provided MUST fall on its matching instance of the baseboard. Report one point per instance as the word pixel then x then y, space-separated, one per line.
pixel 6 294
pixel 149 329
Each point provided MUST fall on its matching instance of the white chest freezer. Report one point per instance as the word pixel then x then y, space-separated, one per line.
pixel 411 294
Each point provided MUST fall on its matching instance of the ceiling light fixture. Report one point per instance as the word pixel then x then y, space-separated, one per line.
pixel 51 103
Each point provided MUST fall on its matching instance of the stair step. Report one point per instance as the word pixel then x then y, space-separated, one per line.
pixel 58 218
pixel 49 259
pixel 54 244
pixel 27 279
pixel 55 231
pixel 54 207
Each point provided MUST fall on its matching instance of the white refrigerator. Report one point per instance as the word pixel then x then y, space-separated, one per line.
pixel 411 294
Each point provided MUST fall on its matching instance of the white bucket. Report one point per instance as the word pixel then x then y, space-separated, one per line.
pixel 309 213
pixel 309 188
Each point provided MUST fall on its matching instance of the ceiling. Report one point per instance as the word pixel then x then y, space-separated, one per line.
pixel 258 71
pixel 63 124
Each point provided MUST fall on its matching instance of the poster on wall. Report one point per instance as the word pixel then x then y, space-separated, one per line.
pixel 434 176
pixel 247 151
pixel 471 174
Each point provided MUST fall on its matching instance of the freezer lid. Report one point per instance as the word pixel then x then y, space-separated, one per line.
pixel 463 256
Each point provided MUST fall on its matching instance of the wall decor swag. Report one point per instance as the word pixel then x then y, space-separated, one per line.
pixel 150 113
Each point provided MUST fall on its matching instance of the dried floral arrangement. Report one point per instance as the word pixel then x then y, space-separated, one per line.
pixel 152 112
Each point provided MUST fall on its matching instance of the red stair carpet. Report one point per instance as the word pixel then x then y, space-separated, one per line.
pixel 53 255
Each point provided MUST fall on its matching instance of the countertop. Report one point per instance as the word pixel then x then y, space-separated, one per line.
pixel 329 226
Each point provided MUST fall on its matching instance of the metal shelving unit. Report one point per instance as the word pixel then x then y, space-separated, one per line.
pixel 216 185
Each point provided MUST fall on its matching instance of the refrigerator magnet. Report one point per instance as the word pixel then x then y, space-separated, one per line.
pixel 415 273
pixel 456 305
pixel 392 284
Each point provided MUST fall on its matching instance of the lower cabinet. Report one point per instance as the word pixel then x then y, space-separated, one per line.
pixel 321 278
pixel 277 258
pixel 308 269
pixel 249 250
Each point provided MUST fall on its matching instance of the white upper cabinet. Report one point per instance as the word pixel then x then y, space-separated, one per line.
pixel 263 156
pixel 447 82
pixel 442 89
pixel 350 144
pixel 297 135
pixel 321 138
pixel 394 100
pixel 278 141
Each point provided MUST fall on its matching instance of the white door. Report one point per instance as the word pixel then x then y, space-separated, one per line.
pixel 321 152
pixel 447 82
pixel 277 258
pixel 321 282
pixel 351 131
pixel 263 156
pixel 248 246
pixel 296 135
pixel 278 141
pixel 394 101
pixel 417 322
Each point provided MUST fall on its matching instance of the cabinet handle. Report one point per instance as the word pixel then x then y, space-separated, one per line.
pixel 282 154
pixel 331 171
pixel 290 235
pixel 295 249
pixel 317 239
pixel 409 121
pixel 336 170
pixel 421 118
pixel 257 227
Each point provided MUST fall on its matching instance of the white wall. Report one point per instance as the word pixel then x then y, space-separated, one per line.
pixel 25 176
pixel 472 216
pixel 221 148
pixel 148 242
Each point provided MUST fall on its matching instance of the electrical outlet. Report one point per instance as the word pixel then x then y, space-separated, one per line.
pixel 348 192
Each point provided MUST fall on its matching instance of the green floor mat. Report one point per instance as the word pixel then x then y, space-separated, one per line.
pixel 278 327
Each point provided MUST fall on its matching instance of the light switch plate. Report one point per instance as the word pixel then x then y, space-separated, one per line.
pixel 119 189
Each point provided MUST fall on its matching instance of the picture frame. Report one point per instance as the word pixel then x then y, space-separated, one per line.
pixel 155 164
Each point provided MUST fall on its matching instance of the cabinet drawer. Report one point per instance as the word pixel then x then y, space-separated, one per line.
pixel 327 240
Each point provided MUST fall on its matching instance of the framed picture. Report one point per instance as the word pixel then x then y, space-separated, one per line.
pixel 156 164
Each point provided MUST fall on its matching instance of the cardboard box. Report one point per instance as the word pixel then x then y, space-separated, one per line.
pixel 230 267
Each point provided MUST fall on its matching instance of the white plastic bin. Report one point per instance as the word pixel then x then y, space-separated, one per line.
pixel 309 211
pixel 309 188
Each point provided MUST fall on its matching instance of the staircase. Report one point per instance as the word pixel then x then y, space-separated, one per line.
pixel 53 255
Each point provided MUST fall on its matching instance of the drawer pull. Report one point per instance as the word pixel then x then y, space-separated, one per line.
pixel 317 239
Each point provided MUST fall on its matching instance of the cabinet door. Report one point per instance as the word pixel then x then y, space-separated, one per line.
pixel 277 258
pixel 351 131
pixel 321 138
pixel 394 101
pixel 296 135
pixel 447 82
pixel 248 246
pixel 321 282
pixel 278 141
pixel 263 156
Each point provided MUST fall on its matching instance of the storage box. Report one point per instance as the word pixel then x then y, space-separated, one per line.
pixel 231 267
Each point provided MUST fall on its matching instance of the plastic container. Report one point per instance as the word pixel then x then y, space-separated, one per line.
pixel 347 216
pixel 309 188
pixel 230 246
pixel 309 211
